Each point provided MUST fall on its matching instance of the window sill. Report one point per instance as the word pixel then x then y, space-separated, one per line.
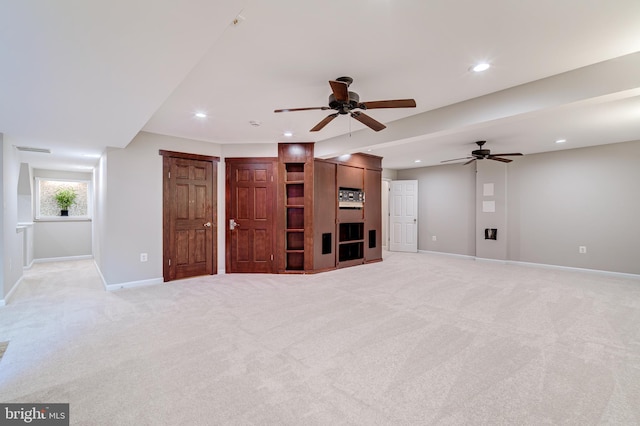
pixel 63 219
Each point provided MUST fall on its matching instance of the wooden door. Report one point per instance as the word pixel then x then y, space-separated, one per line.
pixel 404 216
pixel 189 215
pixel 250 221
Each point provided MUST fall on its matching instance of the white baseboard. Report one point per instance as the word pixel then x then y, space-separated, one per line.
pixel 574 269
pixel 463 256
pixel 488 260
pixel 538 265
pixel 62 259
pixel 104 282
pixel 132 284
pixel 9 296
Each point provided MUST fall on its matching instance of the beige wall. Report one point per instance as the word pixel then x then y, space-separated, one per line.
pixel 129 206
pixel 580 197
pixel 553 203
pixel 446 208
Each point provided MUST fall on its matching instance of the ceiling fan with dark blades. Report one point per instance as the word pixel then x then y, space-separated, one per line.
pixel 344 102
pixel 484 154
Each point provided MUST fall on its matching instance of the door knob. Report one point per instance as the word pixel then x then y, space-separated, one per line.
pixel 207 225
pixel 233 224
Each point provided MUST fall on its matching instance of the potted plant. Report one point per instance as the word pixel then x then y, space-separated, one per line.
pixel 65 197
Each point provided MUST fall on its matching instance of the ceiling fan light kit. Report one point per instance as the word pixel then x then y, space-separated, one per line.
pixel 344 102
pixel 484 154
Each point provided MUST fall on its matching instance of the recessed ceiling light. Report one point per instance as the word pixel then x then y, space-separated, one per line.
pixel 201 115
pixel 561 141
pixel 417 161
pixel 288 134
pixel 481 67
pixel 255 123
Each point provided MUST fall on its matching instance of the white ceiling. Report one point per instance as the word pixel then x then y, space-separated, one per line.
pixel 77 77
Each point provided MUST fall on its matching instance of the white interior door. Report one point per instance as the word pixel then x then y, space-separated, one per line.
pixel 403 216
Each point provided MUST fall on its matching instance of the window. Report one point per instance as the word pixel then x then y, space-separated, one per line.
pixel 46 205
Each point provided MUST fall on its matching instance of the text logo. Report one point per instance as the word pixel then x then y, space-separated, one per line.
pixel 34 414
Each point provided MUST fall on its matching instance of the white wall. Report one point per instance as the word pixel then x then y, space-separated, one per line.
pixel 555 202
pixel 25 194
pixel 99 233
pixel 59 238
pixel 129 207
pixel 250 150
pixel 5 287
pixel 11 254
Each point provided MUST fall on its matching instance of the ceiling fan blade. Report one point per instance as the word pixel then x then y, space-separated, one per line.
pixel 506 155
pixel 456 159
pixel 396 103
pixel 368 121
pixel 300 109
pixel 340 90
pixel 470 161
pixel 504 160
pixel 324 122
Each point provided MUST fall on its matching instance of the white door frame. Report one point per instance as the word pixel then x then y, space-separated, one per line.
pixel 386 187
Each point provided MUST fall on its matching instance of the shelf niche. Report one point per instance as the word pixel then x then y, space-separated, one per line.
pixel 295 180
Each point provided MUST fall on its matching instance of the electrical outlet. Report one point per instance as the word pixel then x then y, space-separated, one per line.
pixel 582 249
pixel 434 238
pixel 143 257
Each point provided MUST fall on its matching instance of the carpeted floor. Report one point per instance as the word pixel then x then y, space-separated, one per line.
pixel 417 339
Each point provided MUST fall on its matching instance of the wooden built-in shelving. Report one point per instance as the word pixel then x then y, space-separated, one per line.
pixel 314 234
pixel 295 183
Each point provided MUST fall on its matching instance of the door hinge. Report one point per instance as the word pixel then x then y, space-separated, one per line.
pixel 169 262
pixel 272 257
pixel 169 175
pixel 271 178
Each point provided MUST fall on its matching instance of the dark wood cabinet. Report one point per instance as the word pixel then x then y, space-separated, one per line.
pixel 350 243
pixel 315 231
pixel 360 229
pixel 295 197
pixel 373 215
pixel 324 215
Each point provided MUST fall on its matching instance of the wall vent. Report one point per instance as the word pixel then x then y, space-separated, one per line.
pixel 32 149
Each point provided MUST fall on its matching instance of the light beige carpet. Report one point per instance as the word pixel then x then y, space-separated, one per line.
pixel 415 340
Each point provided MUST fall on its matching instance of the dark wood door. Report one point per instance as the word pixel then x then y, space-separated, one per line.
pixel 250 221
pixel 189 215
